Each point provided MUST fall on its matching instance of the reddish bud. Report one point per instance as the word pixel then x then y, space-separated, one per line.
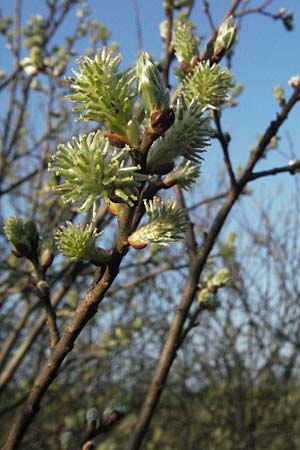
pixel 161 120
pixel 117 140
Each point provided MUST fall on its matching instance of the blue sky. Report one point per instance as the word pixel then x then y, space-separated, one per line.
pixel 267 55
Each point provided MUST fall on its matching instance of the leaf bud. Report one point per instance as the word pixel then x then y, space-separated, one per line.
pixel 22 239
pixel 294 81
pixel 226 35
pixel 117 140
pixel 47 250
pixel 36 55
pixel 43 287
pixel 133 132
pixel 220 278
pixel 278 93
pixel 149 83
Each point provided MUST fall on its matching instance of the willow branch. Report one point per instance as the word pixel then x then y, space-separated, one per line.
pixel 170 347
pixel 291 168
pixel 224 140
pixel 190 238
pixel 12 365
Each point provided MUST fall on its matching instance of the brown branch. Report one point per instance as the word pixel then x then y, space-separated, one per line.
pixel 11 77
pixel 212 199
pixel 144 278
pixel 18 182
pixel 170 347
pixel 12 365
pixel 206 10
pixel 258 9
pixel 8 344
pixel 291 168
pixel 44 295
pixel 270 132
pixel 190 238
pixel 85 310
pixel 206 53
pixel 224 140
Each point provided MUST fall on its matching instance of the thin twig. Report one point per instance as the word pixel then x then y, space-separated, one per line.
pixel 168 51
pixel 190 238
pixel 224 141
pixel 291 168
pixel 170 347
pixel 138 24
pixel 206 10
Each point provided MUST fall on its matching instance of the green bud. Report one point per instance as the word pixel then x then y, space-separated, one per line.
pixel 133 132
pixel 208 85
pixel 23 236
pixel 278 93
pixel 188 137
pixel 166 224
pixel 203 296
pixel 47 250
pixel 221 278
pixel 78 243
pixel 36 55
pixel 31 232
pixel 93 169
pixel 185 175
pixel 226 35
pixel 13 229
pixel 149 83
pixel 103 93
pixel 185 41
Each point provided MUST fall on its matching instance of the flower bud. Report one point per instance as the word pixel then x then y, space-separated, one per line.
pixel 46 258
pixel 278 93
pixel 294 81
pixel 36 55
pixel 31 232
pixel 149 83
pixel 166 224
pixel 20 238
pixel 203 296
pixel 29 66
pixel 220 278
